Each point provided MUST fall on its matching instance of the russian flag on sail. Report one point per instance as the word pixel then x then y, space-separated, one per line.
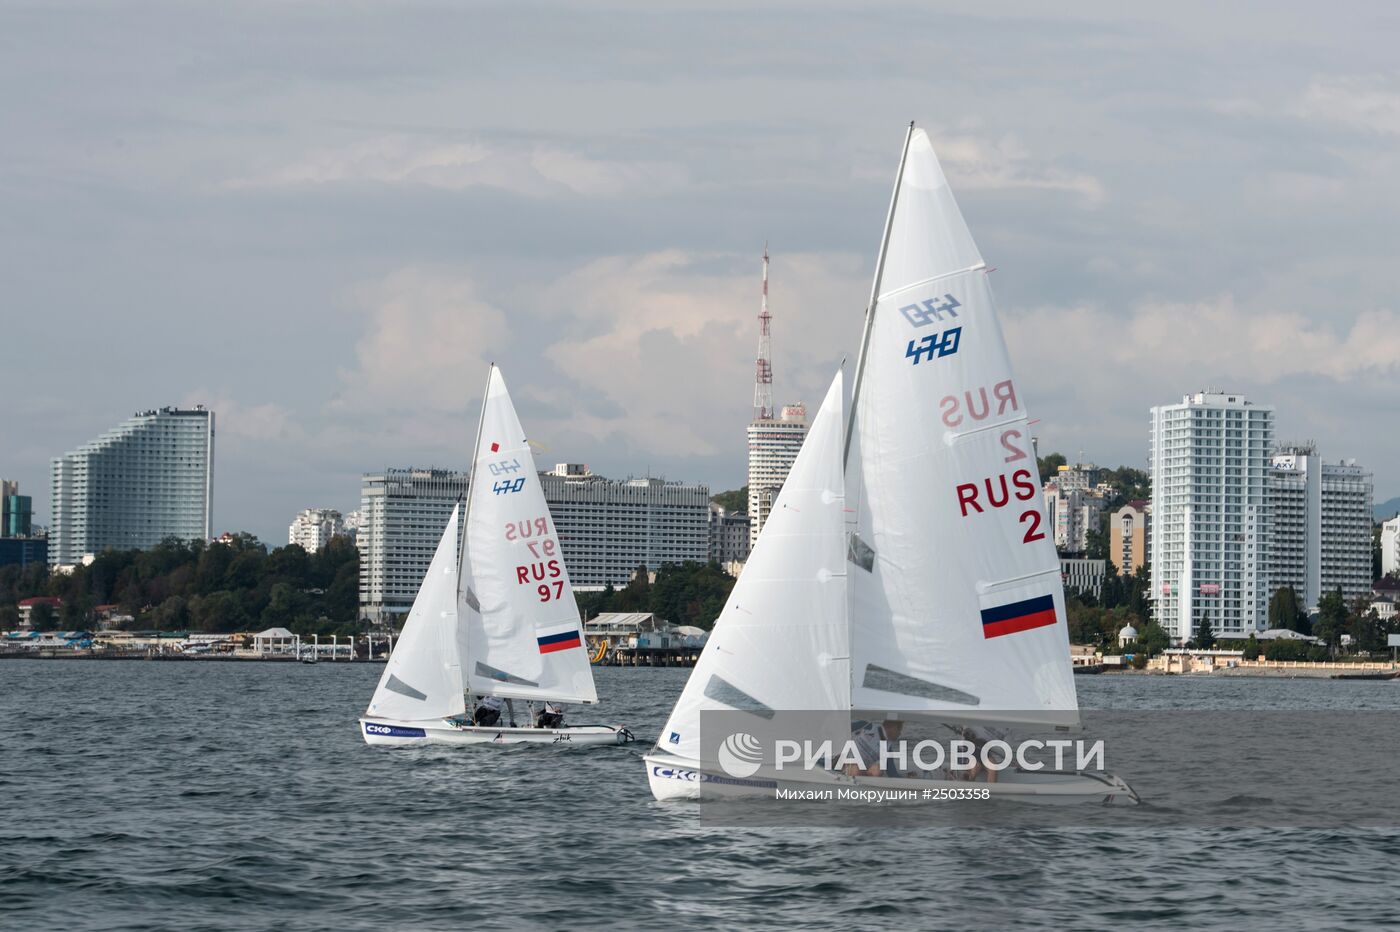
pixel 561 640
pixel 1018 616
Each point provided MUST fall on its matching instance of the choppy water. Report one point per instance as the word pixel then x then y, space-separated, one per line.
pixel 240 796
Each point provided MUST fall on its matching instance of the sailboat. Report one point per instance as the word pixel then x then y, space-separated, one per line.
pixel 905 570
pixel 500 620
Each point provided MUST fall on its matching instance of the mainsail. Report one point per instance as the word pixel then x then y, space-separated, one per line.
pixel 956 597
pixel 521 633
pixel 780 643
pixel 423 678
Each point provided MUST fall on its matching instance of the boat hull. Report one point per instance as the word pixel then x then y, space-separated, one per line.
pixel 389 733
pixel 674 778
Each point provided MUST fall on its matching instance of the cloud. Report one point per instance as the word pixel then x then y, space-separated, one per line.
pixel 1191 343
pixel 258 422
pixel 1370 103
pixel 426 347
pixel 1104 369
pixel 532 171
pixel 1006 164
pixel 667 342
pixel 973 163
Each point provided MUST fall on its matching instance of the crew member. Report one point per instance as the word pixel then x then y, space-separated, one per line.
pixel 549 716
pixel 867 738
pixel 488 712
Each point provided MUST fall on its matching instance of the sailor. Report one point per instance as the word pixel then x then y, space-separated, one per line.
pixel 549 716
pixel 979 737
pixel 488 712
pixel 867 737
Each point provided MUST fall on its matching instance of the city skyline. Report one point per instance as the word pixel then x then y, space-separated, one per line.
pixel 392 224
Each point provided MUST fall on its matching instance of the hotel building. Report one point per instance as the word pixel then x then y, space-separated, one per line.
pixel 149 478
pixel 402 516
pixel 1210 533
pixel 773 446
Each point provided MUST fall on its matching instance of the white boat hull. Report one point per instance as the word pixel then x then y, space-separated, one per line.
pixel 675 778
pixel 413 734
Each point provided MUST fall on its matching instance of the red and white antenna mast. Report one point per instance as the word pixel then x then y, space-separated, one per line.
pixel 763 369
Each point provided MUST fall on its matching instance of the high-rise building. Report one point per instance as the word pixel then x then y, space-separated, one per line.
pixel 403 514
pixel 1390 546
pixel 1072 507
pixel 1348 493
pixel 609 527
pixel 1209 535
pixel 149 478
pixel 1320 516
pixel 773 447
pixel 313 528
pixel 1127 537
pixel 729 537
pixel 16 510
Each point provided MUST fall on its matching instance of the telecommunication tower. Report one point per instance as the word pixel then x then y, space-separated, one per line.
pixel 763 368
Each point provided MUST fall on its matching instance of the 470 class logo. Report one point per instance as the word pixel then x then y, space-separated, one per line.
pixel 930 311
pixel 935 344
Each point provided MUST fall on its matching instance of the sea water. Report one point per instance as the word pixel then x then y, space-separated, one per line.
pixel 207 795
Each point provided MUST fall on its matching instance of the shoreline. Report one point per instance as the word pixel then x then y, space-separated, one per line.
pixel 191 658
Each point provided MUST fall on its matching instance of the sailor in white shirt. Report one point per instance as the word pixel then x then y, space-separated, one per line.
pixel 488 711
pixel 867 738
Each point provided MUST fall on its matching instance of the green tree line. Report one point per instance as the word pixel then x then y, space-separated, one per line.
pixel 192 585
pixel 735 501
pixel 684 593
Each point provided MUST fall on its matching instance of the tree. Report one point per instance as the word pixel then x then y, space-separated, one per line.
pixel 1364 626
pixel 1331 618
pixel 735 501
pixel 1096 546
pixel 1049 465
pixel 1152 640
pixel 636 595
pixel 1205 635
pixel 218 611
pixel 1285 612
pixel 42 617
pixel 173 614
pixel 1286 650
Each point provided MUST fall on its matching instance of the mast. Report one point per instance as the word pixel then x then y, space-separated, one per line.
pixel 875 294
pixel 471 476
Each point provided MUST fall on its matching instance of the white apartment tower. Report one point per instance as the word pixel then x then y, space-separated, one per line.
pixel 773 446
pixel 609 527
pixel 1210 531
pixel 1071 511
pixel 1390 546
pixel 313 528
pixel 149 478
pixel 1321 519
pixel 402 516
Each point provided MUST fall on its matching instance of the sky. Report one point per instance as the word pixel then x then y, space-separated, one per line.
pixel 323 220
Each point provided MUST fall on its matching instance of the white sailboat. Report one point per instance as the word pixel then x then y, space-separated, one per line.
pixel 500 622
pixel 905 569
